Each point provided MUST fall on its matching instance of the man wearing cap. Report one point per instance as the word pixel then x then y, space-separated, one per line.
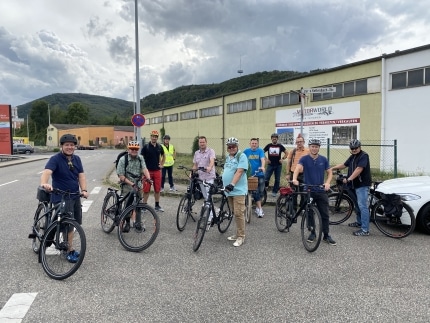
pixel 169 160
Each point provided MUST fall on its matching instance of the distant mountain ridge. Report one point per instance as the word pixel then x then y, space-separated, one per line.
pixel 100 107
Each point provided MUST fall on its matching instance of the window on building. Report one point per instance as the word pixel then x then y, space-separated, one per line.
pixel 294 98
pixel 157 120
pixel 242 106
pixel 210 112
pixel 171 117
pixel 339 91
pixel 415 78
pixel 427 76
pixel 348 88
pixel 189 115
pixel 360 87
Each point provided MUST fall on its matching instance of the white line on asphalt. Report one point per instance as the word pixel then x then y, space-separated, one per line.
pixel 86 205
pixel 16 307
pixel 9 182
pixel 96 190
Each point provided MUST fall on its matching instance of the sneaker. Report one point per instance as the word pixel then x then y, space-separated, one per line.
pixel 71 257
pixel 260 213
pixel 126 227
pixel 354 225
pixel 173 189
pixel 274 194
pixel 360 233
pixel 162 190
pixel 239 242
pixel 232 238
pixel 311 237
pixel 75 253
pixel 159 209
pixel 329 240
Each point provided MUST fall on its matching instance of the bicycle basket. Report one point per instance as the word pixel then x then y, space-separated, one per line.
pixel 42 195
pixel 252 183
pixel 285 191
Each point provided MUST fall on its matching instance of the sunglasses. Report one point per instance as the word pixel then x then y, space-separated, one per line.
pixel 134 149
pixel 231 147
pixel 71 167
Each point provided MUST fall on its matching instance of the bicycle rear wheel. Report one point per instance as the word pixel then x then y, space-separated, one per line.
pixel 109 212
pixel 224 215
pixel 184 212
pixel 340 207
pixel 392 226
pixel 202 224
pixel 248 207
pixel 54 250
pixel 39 226
pixel 283 212
pixel 311 228
pixel 144 227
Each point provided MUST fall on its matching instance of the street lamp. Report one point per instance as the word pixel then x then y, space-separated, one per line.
pixel 136 25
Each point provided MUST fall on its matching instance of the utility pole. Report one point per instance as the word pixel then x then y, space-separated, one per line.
pixel 136 28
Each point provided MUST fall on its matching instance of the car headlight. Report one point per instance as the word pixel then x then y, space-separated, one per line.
pixel 409 196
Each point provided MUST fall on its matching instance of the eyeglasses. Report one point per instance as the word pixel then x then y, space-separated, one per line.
pixel 71 167
pixel 231 147
pixel 134 149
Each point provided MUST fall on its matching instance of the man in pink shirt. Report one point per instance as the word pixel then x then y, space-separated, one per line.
pixel 205 157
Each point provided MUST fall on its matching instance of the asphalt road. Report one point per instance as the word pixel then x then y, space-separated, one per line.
pixel 271 278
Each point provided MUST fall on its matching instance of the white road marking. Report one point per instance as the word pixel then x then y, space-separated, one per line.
pixel 96 190
pixel 9 182
pixel 16 307
pixel 86 205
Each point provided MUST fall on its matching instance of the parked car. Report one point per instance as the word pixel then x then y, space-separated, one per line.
pixel 415 191
pixel 22 149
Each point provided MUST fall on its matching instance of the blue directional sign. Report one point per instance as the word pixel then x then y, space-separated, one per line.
pixel 138 120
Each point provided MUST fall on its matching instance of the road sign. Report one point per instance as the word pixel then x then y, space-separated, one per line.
pixel 320 90
pixel 138 120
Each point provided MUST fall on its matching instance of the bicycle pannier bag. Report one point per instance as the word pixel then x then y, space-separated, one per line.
pixel 392 204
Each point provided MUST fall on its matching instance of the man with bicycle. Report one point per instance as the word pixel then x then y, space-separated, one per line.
pixel 67 174
pixel 205 157
pixel 314 166
pixel 131 164
pixel 358 180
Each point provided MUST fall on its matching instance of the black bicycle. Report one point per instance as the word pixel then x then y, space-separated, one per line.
pixel 144 223
pixel 215 210
pixel 286 215
pixel 55 235
pixel 340 203
pixel 185 207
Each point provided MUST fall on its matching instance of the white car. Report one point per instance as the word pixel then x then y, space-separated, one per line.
pixel 415 191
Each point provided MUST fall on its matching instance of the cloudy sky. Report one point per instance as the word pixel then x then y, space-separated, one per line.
pixel 88 46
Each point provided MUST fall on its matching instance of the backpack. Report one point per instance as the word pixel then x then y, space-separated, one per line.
pixel 392 204
pixel 126 160
pixel 248 171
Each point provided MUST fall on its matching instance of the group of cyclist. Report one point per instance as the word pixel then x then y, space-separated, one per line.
pixel 303 165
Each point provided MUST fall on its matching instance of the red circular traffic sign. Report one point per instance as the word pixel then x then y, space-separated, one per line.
pixel 138 120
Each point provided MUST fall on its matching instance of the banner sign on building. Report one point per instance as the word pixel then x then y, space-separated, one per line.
pixel 339 122
pixel 5 129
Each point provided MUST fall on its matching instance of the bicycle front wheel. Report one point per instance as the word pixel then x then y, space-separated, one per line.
pixel 311 228
pixel 143 227
pixel 248 207
pixel 109 212
pixel 184 212
pixel 283 212
pixel 394 226
pixel 340 207
pixel 224 215
pixel 202 225
pixel 55 249
pixel 39 226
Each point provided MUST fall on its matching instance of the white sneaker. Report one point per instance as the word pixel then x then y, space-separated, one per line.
pixel 239 242
pixel 260 213
pixel 173 189
pixel 210 221
pixel 162 190
pixel 232 238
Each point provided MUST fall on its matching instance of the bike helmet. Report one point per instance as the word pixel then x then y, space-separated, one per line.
pixel 155 133
pixel 166 137
pixel 274 135
pixel 232 141
pixel 314 142
pixel 68 138
pixel 133 144
pixel 354 144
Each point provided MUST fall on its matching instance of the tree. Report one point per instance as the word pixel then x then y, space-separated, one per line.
pixel 77 113
pixel 39 115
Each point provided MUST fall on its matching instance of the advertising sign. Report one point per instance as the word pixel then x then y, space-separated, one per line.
pixel 5 129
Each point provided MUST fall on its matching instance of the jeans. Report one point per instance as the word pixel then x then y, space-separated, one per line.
pixel 362 208
pixel 269 171
pixel 321 200
pixel 169 170
pixel 259 192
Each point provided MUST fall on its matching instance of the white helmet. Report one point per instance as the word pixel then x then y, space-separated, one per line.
pixel 232 141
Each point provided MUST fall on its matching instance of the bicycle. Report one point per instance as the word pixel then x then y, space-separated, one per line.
pixel 311 224
pixel 55 234
pixel 185 207
pixel 144 221
pixel 249 201
pixel 221 215
pixel 341 205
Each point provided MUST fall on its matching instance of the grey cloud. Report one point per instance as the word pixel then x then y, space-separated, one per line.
pixel 96 28
pixel 120 50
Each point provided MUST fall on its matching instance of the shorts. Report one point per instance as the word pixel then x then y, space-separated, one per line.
pixel 156 178
pixel 75 207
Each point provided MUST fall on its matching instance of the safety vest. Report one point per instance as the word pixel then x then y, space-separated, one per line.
pixel 168 154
